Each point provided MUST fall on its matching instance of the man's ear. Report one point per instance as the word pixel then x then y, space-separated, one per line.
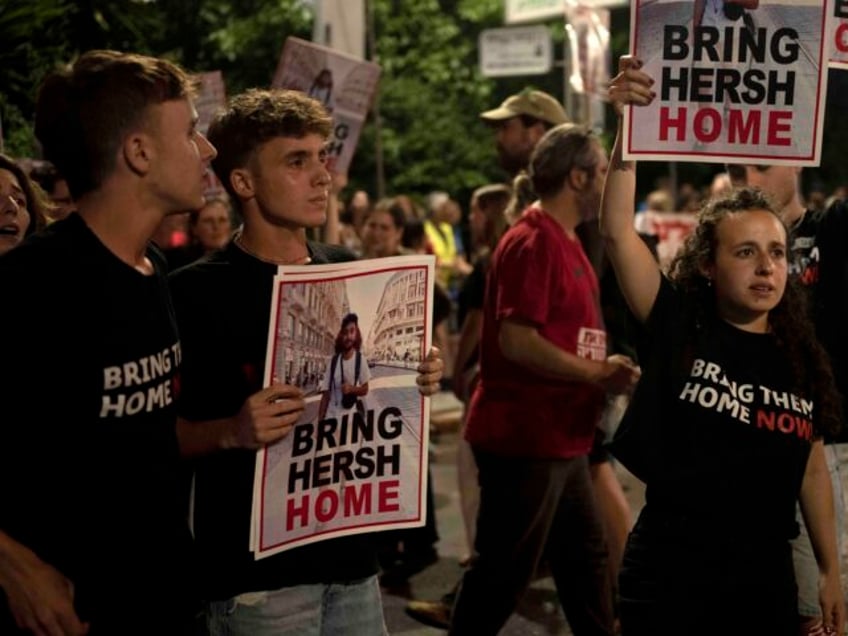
pixel 578 178
pixel 241 182
pixel 137 151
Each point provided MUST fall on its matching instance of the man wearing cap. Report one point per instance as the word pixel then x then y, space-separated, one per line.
pixel 519 123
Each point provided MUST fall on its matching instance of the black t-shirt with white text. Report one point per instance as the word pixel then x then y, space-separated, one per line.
pixel 89 466
pixel 223 310
pixel 734 434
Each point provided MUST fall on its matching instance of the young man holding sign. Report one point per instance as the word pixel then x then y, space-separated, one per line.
pixel 273 164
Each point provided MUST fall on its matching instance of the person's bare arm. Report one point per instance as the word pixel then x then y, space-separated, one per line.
pixel 359 390
pixel 635 267
pixel 523 344
pixel 266 417
pixel 40 598
pixel 816 499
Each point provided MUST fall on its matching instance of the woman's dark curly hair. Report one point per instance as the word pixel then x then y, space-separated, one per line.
pixel 790 319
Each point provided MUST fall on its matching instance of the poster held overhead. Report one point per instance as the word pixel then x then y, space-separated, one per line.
pixel 746 88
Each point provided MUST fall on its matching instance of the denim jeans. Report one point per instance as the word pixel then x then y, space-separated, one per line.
pixel 337 609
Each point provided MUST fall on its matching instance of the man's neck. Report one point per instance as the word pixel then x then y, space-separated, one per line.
pixel 793 212
pixel 273 243
pixel 563 209
pixel 347 355
pixel 122 221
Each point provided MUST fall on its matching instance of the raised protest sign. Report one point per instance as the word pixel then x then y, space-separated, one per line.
pixel 732 85
pixel 670 230
pixel 211 97
pixel 839 35
pixel 351 336
pixel 344 84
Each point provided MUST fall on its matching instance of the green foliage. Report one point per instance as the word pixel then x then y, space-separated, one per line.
pixel 431 90
pixel 431 93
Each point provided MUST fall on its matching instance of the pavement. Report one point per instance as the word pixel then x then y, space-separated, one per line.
pixel 539 613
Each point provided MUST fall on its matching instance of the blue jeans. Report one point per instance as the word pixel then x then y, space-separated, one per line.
pixel 337 609
pixel 806 568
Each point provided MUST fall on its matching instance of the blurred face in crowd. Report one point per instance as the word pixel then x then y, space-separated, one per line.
pixel 61 198
pixel 515 143
pixel 14 215
pixel 780 183
pixel 213 227
pixel 590 199
pixel 380 236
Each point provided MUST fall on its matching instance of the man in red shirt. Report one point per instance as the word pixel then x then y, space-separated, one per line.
pixel 543 376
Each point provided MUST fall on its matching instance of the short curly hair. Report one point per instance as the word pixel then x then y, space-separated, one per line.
pixel 257 116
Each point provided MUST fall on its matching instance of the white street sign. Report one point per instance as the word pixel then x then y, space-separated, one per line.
pixel 515 51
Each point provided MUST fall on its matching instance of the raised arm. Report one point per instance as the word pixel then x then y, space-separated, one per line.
pixel 635 267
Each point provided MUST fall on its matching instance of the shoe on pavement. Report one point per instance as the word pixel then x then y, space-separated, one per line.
pixel 432 613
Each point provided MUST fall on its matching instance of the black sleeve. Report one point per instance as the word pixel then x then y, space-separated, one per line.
pixel 830 299
pixel 475 286
pixel 441 305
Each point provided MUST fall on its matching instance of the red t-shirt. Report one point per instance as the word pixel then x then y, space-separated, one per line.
pixel 541 276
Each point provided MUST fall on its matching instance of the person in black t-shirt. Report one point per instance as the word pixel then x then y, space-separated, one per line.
pixel 91 508
pixel 726 424
pixel 819 250
pixel 272 161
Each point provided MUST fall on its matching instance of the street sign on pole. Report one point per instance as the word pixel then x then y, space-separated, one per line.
pixel 515 51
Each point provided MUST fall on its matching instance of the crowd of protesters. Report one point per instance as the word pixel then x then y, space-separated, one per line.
pixel 551 321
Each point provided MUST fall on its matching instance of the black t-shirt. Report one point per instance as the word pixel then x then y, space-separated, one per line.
pixel 223 310
pixel 89 464
pixel 732 435
pixel 473 290
pixel 820 261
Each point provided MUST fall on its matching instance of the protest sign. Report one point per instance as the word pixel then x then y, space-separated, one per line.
pixel 732 85
pixel 839 35
pixel 588 36
pixel 351 336
pixel 211 97
pixel 344 84
pixel 670 230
